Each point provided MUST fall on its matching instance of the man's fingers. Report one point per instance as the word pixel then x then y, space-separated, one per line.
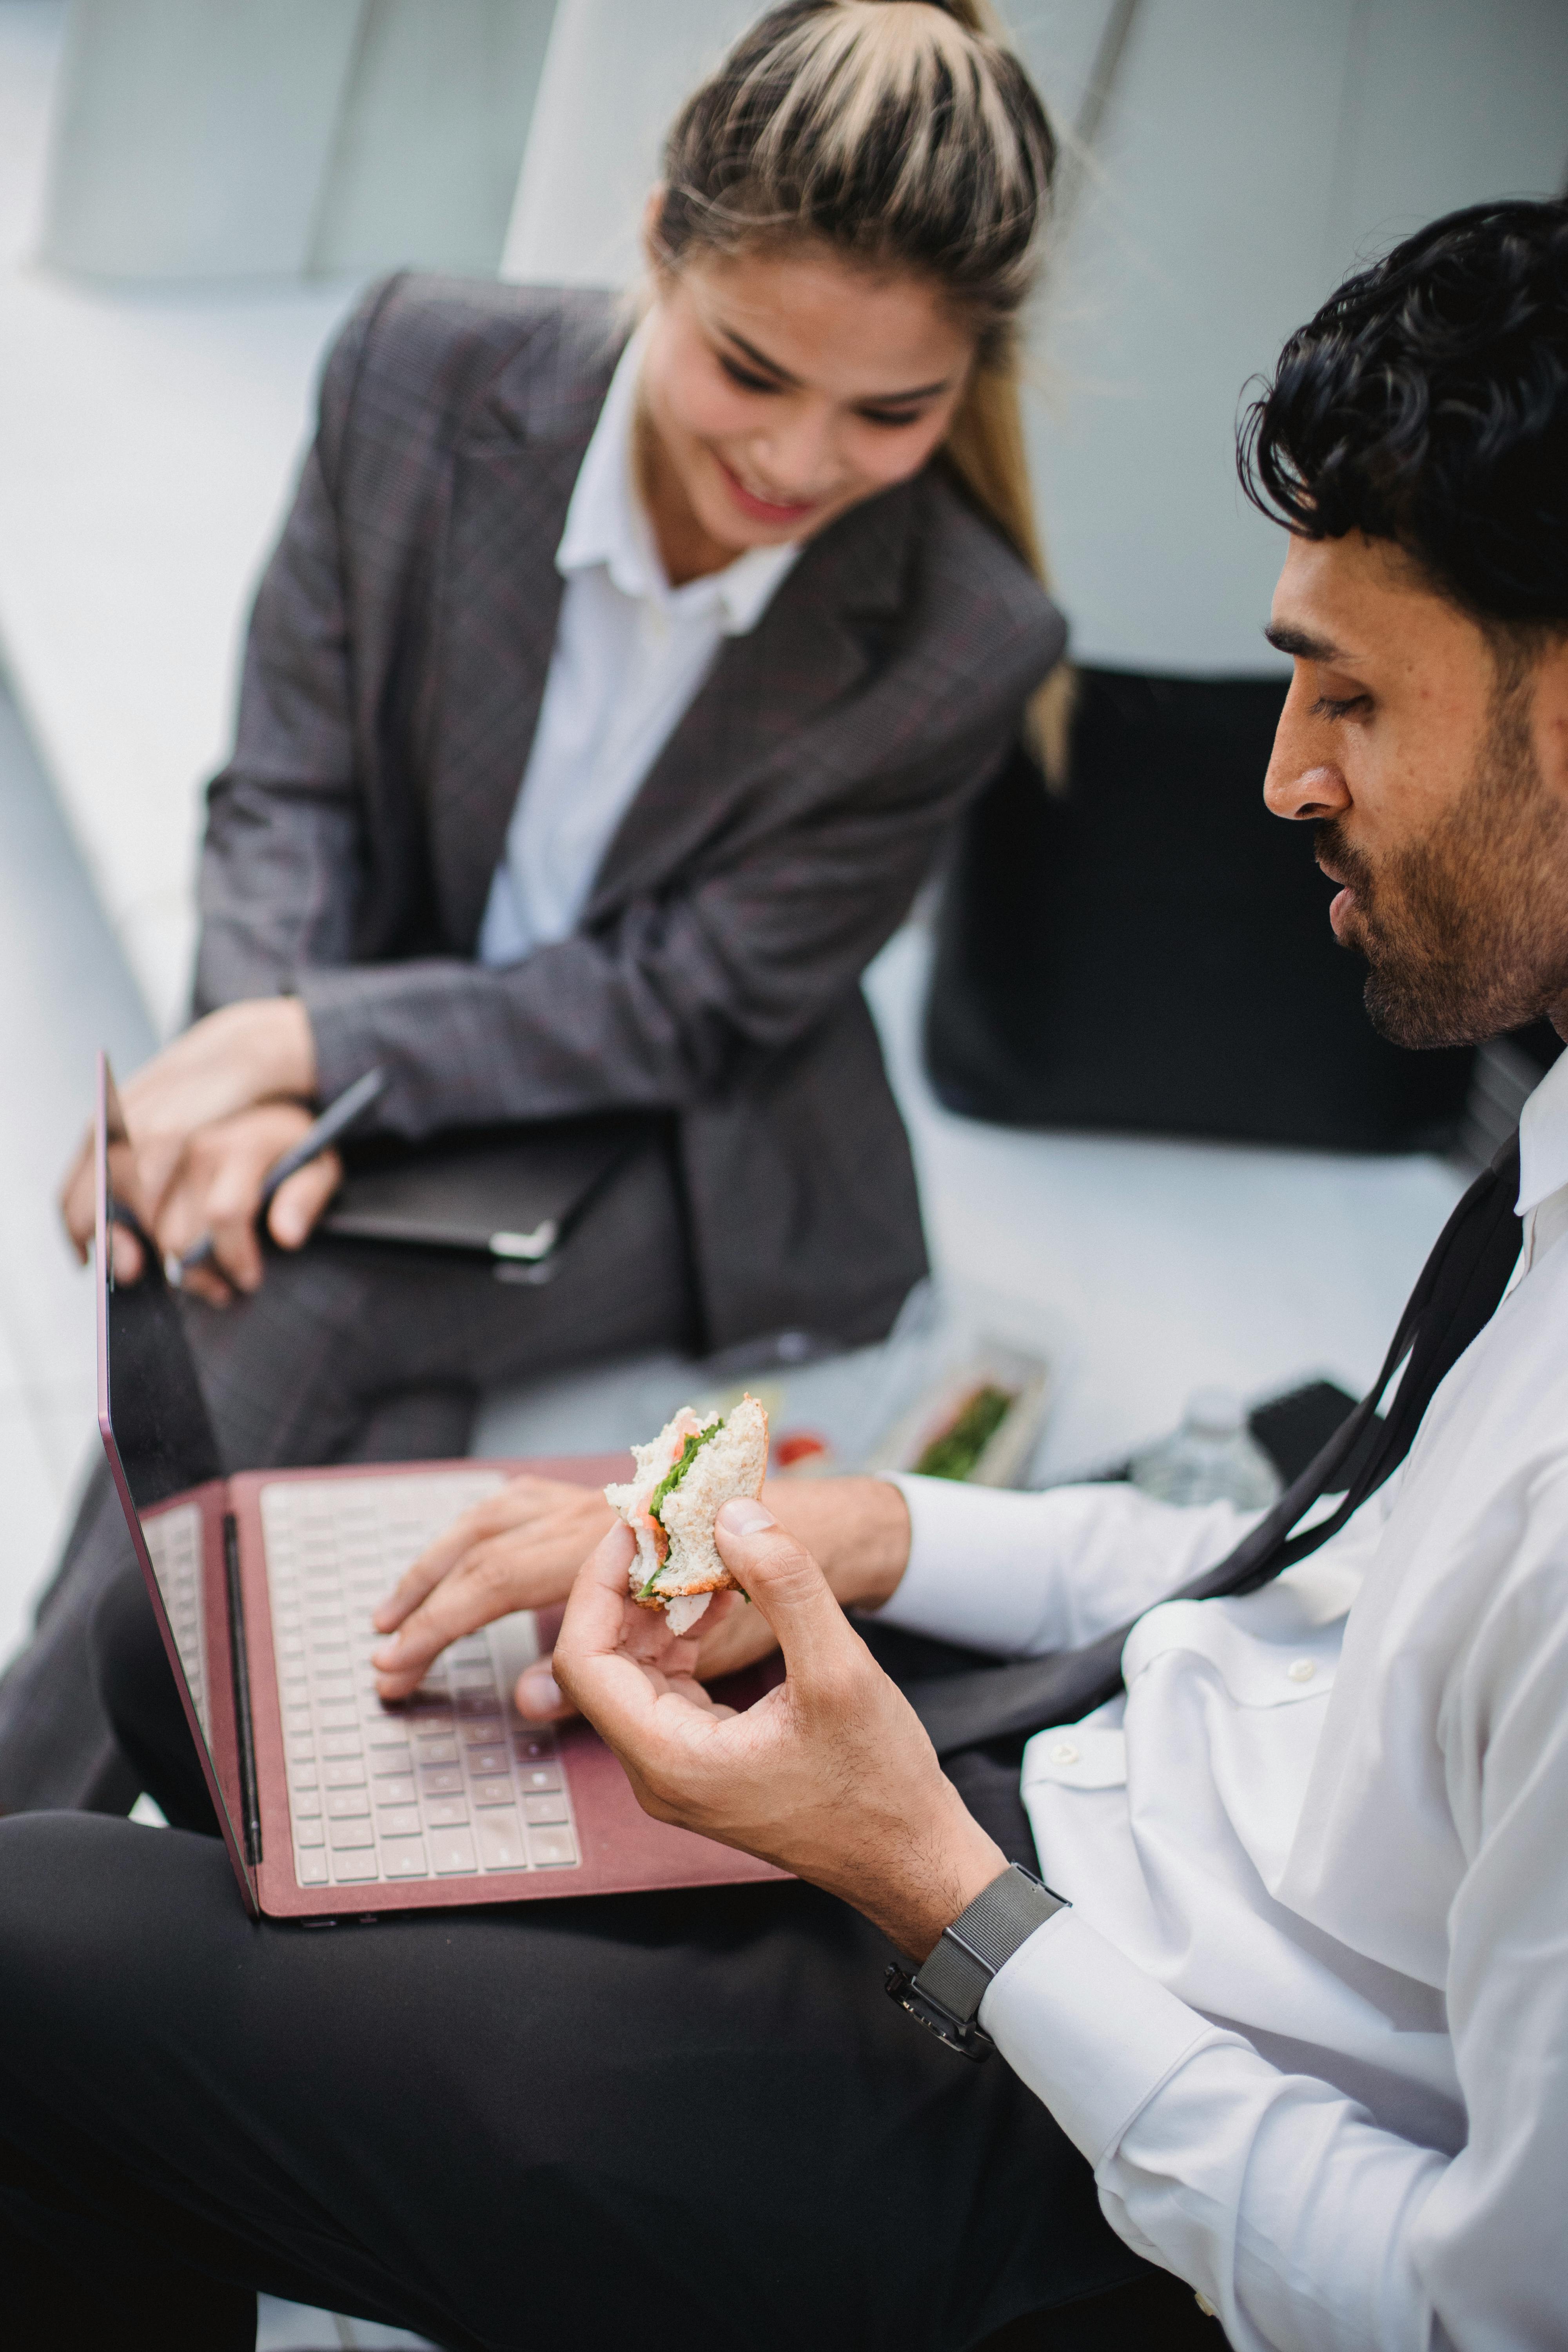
pixel 591 1665
pixel 594 1611
pixel 298 1203
pixel 457 1606
pixel 788 1587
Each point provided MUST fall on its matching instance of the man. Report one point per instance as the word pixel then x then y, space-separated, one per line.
pixel 1306 2013
pixel 1299 2021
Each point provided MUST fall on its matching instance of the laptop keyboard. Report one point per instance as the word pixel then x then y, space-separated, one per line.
pixel 450 1784
pixel 174 1543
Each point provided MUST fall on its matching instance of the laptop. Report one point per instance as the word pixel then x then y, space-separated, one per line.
pixel 331 1803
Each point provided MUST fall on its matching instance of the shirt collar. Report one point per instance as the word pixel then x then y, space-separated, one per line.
pixel 605 523
pixel 1544 1139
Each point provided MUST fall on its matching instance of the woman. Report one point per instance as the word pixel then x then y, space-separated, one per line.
pixel 588 2122
pixel 750 606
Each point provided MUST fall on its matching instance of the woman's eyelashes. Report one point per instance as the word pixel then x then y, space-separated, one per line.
pixel 746 377
pixel 750 381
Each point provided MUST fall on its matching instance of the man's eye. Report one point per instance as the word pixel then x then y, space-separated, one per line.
pixel 1328 706
pixel 744 377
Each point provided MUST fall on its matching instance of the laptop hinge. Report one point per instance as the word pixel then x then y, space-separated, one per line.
pixel 250 1806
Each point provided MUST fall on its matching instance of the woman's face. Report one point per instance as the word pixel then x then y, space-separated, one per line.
pixel 783 389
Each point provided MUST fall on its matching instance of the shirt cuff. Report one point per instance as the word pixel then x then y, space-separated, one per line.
pixel 1091 2035
pixel 978 1571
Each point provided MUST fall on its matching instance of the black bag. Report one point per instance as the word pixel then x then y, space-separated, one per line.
pixel 1151 950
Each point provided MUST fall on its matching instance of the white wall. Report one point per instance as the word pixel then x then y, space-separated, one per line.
pixel 614 74
pixel 1250 152
pixel 191 137
pixel 427 147
pixel 199 140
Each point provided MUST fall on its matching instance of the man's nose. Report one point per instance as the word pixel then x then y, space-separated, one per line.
pixel 1302 783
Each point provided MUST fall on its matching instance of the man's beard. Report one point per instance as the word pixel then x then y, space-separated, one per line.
pixel 1467 931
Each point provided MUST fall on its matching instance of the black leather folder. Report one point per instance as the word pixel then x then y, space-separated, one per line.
pixel 508 1194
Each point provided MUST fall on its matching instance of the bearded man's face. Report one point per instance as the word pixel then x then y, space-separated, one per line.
pixel 1432 759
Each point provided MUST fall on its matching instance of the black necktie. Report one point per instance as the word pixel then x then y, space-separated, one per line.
pixel 1457 1291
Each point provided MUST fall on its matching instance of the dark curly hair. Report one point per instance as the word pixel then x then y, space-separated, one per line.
pixel 1428 403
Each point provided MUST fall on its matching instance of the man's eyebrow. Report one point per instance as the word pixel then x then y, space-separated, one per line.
pixel 1302 644
pixel 872 400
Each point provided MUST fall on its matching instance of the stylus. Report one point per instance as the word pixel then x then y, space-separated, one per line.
pixel 319 1136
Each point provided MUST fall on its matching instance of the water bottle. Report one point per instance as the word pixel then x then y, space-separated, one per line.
pixel 1212 1458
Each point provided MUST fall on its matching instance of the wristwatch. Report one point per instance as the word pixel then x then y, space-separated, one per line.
pixel 946 1994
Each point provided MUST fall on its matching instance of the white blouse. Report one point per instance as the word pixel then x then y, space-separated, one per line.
pixel 630 654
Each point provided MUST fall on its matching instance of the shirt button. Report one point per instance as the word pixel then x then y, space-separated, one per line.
pixel 1300 1670
pixel 1064 1752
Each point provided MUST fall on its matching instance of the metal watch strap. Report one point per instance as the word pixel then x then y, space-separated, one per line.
pixel 947 1992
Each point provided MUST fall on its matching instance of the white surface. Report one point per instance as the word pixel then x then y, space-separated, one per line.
pixel 148 444
pixel 192 141
pixel 1250 153
pixel 430 139
pixel 614 78
pixel 67 992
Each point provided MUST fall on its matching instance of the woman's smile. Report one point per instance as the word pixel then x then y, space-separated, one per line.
pixel 757 506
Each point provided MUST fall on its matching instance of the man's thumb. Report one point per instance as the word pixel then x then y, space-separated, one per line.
pixel 786 1584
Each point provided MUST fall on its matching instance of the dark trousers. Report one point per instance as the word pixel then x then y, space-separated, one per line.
pixel 648 2120
pixel 345 1355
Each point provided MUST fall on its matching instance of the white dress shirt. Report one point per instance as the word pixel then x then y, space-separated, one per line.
pixel 1308 2018
pixel 629 655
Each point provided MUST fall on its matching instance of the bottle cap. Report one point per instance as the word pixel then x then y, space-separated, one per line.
pixel 1214 1412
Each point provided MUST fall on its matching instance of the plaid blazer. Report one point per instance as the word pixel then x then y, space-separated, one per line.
pixel 393 679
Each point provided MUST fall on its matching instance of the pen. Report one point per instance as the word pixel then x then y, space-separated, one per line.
pixel 319 1136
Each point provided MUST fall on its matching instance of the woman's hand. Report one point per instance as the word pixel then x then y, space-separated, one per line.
pixel 830 1775
pixel 214 1194
pixel 519 1548
pixel 259 1051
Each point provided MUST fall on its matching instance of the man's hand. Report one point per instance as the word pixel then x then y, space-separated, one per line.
pixel 519 1548
pixel 260 1051
pixel 830 1775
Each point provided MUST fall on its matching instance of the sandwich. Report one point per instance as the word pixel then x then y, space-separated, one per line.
pixel 684 1478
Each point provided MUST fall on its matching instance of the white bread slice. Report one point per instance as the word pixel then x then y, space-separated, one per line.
pixel 731 1464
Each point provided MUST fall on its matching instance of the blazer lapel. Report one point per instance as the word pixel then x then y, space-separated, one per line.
pixel 812 646
pixel 513 469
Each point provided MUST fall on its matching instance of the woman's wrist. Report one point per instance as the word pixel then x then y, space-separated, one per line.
pixel 280 1047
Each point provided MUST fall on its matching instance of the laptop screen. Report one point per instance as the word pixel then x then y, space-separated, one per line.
pixel 162 1451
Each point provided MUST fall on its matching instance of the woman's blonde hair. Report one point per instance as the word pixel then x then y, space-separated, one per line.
pixel 904 134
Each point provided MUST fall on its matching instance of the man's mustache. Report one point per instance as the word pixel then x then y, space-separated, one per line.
pixel 1342 863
